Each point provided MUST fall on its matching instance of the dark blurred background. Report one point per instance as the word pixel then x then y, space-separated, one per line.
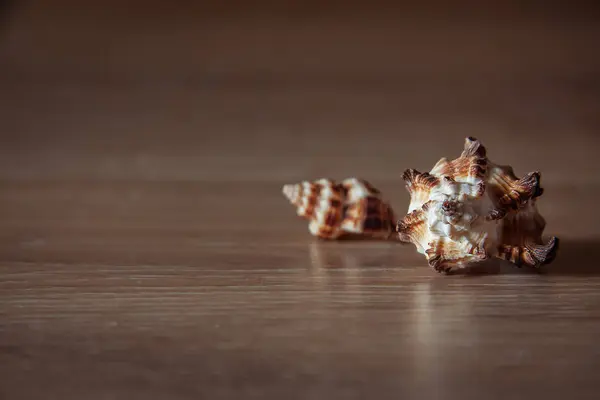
pixel 185 90
pixel 248 93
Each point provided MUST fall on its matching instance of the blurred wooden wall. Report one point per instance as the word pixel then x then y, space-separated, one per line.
pixel 196 90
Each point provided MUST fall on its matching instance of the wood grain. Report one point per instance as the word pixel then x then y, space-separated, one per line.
pixel 146 250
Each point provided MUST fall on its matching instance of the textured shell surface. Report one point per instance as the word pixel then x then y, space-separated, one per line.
pixel 350 208
pixel 470 209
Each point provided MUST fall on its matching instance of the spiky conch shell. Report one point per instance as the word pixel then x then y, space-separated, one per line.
pixel 470 209
pixel 461 212
pixel 336 210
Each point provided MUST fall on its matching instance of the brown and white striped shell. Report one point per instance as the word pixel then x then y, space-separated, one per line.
pixel 334 210
pixel 470 209
pixel 462 211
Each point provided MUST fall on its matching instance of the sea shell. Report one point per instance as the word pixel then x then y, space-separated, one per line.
pixel 470 209
pixel 335 210
pixel 461 212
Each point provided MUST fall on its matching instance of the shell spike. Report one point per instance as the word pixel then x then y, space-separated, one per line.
pixel 419 180
pixel 439 166
pixel 543 253
pixel 444 254
pixel 473 147
pixel 412 228
pixel 530 185
pixel 531 254
pixel 410 175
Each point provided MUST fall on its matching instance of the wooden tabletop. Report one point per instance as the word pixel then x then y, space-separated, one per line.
pixel 146 250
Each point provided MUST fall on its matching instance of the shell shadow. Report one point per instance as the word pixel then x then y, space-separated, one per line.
pixel 573 258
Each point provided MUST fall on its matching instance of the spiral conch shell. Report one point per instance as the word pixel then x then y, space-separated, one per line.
pixel 350 208
pixel 461 212
pixel 470 209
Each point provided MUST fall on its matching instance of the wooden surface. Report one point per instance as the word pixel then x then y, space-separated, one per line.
pixel 146 250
